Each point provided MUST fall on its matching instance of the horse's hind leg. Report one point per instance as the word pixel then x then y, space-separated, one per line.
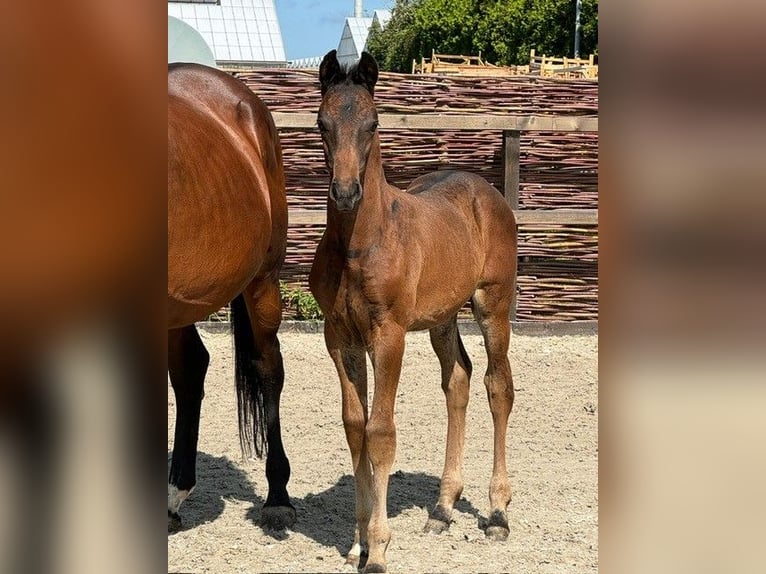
pixel 456 373
pixel 187 363
pixel 491 306
pixel 264 306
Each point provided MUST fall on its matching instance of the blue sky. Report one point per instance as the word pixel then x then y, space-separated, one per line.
pixel 313 27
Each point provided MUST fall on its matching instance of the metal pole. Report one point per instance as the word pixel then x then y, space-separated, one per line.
pixel 578 28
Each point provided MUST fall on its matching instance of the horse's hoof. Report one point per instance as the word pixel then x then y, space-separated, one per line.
pixel 174 522
pixel 373 568
pixel 497 533
pixel 497 527
pixel 435 526
pixel 438 521
pixel 277 517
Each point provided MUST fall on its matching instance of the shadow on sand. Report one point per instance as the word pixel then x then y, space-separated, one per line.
pixel 326 517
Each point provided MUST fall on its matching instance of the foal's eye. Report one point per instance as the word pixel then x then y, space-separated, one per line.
pixel 322 127
pixel 374 126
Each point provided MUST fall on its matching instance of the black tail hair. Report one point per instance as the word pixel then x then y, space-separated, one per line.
pixel 464 355
pixel 252 423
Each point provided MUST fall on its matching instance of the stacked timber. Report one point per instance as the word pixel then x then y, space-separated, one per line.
pixel 558 264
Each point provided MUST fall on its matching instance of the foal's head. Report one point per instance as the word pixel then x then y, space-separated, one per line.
pixel 347 121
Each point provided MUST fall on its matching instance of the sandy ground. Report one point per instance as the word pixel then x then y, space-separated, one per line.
pixel 553 466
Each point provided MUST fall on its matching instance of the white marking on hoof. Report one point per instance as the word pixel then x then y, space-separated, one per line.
pixel 354 556
pixel 356 550
pixel 176 497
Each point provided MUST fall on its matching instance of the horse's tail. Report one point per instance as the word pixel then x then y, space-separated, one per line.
pixel 252 423
pixel 464 355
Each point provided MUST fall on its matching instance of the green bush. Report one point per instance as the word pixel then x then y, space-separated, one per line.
pixel 301 302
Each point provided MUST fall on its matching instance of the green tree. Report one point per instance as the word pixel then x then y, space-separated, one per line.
pixel 396 46
pixel 447 27
pixel 502 30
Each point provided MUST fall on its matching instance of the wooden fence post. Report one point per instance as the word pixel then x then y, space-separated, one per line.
pixel 511 156
pixel 511 159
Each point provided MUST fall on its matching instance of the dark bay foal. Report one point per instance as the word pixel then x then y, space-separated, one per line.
pixel 393 261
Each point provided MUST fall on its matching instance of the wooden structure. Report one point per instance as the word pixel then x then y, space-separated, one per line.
pixel 546 66
pixel 535 139
pixel 511 128
pixel 448 64
pixel 551 66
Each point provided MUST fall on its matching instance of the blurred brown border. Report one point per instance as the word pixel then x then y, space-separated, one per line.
pixel 681 285
pixel 83 250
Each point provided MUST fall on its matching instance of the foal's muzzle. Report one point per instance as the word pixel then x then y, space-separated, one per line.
pixel 345 196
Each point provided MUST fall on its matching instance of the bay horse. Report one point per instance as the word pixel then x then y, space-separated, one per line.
pixel 392 261
pixel 227 234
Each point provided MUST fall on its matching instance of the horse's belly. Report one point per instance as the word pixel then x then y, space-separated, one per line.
pixel 442 291
pixel 433 311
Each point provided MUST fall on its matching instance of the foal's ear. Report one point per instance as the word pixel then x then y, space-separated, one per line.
pixel 366 72
pixel 330 72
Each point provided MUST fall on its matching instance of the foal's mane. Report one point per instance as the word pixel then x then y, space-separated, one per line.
pixel 346 74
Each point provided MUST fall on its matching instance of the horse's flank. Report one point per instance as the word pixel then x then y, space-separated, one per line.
pixel 223 151
pixel 227 235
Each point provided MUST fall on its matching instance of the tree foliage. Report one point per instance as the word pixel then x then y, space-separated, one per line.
pixel 503 31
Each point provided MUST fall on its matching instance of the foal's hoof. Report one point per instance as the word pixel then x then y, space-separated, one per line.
pixel 357 556
pixel 435 526
pixel 497 527
pixel 438 521
pixel 277 517
pixel 497 533
pixel 374 567
pixel 174 522
pixel 352 560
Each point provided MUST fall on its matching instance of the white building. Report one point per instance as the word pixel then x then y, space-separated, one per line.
pixel 353 41
pixel 237 32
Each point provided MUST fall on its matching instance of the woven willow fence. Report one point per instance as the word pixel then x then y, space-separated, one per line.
pixel 558 263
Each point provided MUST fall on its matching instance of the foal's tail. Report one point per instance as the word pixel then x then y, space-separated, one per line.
pixel 252 423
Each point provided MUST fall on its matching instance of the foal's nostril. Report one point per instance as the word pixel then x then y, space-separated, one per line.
pixel 345 196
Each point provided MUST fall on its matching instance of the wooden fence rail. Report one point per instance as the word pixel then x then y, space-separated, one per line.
pixel 486 125
pixel 511 126
pixel 570 290
pixel 423 121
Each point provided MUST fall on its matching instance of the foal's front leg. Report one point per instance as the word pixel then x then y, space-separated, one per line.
pixel 351 365
pixel 387 350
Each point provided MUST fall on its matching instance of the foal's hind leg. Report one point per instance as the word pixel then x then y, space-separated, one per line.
pixel 264 306
pixel 456 373
pixel 491 307
pixel 187 363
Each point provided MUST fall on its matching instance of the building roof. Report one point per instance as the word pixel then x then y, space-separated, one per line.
pixel 312 62
pixel 382 17
pixel 355 32
pixel 353 40
pixel 238 31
